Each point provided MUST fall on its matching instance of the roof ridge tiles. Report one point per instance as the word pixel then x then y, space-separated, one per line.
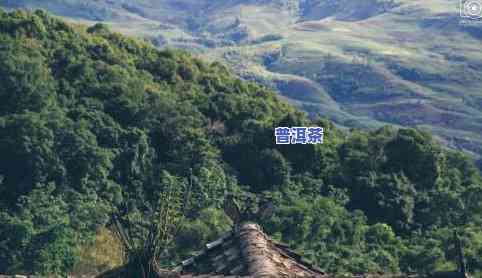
pixel 254 246
pixel 247 250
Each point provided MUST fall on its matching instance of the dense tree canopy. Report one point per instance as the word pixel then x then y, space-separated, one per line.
pixel 93 123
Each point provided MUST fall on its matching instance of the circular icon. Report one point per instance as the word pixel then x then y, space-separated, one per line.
pixel 473 8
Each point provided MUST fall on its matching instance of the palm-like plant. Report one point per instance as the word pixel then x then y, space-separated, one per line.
pixel 144 256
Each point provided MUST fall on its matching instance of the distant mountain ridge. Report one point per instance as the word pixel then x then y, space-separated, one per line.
pixel 360 63
pixel 99 130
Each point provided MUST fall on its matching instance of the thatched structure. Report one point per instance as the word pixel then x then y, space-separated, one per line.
pixel 247 251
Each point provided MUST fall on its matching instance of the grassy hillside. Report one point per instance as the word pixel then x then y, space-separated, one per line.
pixel 359 63
pixel 95 124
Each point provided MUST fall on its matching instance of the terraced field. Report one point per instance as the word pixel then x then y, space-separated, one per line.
pixel 361 63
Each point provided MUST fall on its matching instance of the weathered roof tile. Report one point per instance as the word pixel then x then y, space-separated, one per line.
pixel 248 251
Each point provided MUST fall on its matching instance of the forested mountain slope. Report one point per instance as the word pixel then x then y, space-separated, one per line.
pixel 361 63
pixel 93 123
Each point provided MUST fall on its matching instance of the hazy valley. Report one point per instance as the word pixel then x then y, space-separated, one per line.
pixel 117 155
pixel 359 63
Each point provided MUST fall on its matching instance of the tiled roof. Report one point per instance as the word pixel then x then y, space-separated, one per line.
pixel 247 251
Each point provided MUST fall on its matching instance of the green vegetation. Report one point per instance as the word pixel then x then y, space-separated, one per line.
pixel 359 63
pixel 94 124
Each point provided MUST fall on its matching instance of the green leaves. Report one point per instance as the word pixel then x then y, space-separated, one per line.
pixel 336 239
pixel 193 234
pixel 39 238
pixel 93 123
pixel 415 153
pixel 21 23
pixel 53 252
pixel 25 77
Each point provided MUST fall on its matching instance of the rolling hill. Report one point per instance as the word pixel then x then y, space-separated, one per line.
pixel 98 129
pixel 360 63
